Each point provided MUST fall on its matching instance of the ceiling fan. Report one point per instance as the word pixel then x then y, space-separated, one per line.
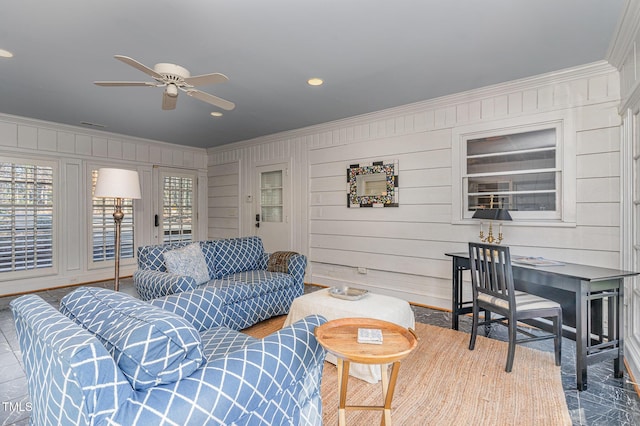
pixel 173 78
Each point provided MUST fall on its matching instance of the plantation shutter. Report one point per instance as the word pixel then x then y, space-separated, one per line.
pixel 26 217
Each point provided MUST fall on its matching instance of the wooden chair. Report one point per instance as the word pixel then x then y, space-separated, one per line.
pixel 493 291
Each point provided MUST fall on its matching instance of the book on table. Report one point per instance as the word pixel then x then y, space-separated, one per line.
pixel 370 335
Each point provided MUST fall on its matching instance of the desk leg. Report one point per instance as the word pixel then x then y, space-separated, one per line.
pixel 617 305
pixel 582 335
pixel 456 297
pixel 343 380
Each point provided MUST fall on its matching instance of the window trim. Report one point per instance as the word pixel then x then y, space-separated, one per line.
pixel 562 121
pixel 56 220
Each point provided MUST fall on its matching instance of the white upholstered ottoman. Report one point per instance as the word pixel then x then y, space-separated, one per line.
pixel 376 306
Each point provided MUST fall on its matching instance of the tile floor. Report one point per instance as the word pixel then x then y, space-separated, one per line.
pixel 608 401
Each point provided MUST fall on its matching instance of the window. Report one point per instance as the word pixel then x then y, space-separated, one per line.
pixel 26 215
pixel 271 196
pixel 518 170
pixel 177 207
pixel 103 228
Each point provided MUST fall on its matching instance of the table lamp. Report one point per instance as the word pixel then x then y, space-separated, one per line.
pixel 118 184
pixel 491 215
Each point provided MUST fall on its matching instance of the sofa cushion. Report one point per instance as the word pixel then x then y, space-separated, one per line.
pixel 150 345
pixel 188 261
pixel 238 255
pixel 152 257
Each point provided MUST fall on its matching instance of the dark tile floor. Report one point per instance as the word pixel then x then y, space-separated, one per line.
pixel 608 401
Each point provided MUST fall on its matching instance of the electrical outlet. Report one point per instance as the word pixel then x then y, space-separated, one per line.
pixel 362 270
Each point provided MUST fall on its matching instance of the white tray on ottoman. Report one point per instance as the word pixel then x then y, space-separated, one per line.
pixel 372 305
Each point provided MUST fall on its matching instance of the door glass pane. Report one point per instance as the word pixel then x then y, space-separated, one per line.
pixel 177 208
pixel 271 196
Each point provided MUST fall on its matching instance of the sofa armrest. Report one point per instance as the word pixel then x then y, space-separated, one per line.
pixel 152 284
pixel 296 266
pixel 275 380
pixel 202 307
pixel 72 378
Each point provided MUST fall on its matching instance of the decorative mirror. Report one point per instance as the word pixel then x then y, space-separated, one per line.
pixel 373 185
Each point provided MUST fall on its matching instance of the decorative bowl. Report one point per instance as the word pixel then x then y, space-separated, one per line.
pixel 348 293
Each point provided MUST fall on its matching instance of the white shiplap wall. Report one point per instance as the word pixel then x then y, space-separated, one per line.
pixel 402 249
pixel 239 162
pixel 223 200
pixel 73 149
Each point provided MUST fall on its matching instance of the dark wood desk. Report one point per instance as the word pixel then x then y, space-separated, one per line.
pixel 581 290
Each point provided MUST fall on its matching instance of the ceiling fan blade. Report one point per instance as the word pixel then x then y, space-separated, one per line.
pixel 205 79
pixel 168 101
pixel 210 99
pixel 124 83
pixel 145 69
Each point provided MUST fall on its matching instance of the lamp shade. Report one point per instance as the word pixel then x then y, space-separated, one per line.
pixel 492 214
pixel 117 183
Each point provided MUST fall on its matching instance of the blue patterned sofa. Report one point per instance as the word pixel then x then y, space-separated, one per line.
pixel 108 358
pixel 232 282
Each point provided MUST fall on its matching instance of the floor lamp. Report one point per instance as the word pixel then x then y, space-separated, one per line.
pixel 118 184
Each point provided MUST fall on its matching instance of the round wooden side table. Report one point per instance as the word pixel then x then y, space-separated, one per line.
pixel 340 337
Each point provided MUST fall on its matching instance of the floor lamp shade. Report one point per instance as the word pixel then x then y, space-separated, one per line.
pixel 117 184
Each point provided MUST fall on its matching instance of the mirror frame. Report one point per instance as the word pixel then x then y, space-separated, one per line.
pixel 359 174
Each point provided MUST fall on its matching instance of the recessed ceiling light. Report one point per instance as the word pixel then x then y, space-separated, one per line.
pixel 315 81
pixel 5 54
pixel 216 114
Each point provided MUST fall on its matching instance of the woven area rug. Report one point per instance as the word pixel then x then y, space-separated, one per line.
pixel 442 382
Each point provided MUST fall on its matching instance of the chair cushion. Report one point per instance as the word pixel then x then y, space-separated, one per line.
pixel 238 255
pixel 188 261
pixel 524 301
pixel 150 345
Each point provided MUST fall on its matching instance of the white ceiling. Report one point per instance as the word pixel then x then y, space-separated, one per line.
pixel 372 54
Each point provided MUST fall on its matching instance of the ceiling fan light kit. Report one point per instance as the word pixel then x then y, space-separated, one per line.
pixel 171 90
pixel 174 78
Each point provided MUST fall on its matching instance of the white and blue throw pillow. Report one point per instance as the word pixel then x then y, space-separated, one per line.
pixel 188 261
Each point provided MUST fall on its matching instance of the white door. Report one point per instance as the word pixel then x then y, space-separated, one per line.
pixel 176 210
pixel 273 207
